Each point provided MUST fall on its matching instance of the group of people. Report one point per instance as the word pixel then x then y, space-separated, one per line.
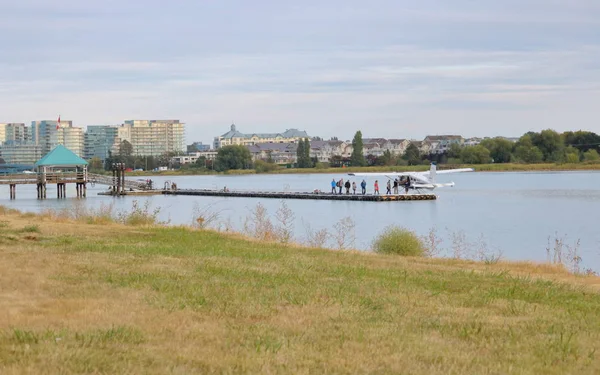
pixel 337 186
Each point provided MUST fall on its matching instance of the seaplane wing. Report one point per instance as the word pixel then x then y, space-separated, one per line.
pixel 458 170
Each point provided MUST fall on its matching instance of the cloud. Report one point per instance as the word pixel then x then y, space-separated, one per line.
pixel 391 68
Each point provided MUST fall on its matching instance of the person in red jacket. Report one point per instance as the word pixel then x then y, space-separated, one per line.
pixel 376 187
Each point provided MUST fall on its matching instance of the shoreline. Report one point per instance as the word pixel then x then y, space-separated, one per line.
pixel 504 167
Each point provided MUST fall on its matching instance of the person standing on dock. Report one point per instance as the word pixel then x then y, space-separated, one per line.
pixel 388 188
pixel 341 184
pixel 347 186
pixel 396 186
pixel 333 186
pixel 376 187
pixel 363 186
pixel 354 187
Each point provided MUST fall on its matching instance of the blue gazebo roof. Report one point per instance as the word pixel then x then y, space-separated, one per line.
pixel 60 157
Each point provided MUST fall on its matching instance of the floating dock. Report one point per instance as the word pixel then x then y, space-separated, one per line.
pixel 302 195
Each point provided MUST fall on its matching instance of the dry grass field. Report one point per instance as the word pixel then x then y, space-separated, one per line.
pixel 109 298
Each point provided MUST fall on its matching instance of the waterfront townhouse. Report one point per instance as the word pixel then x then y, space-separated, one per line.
pixel 323 151
pixel 278 153
pixel 443 142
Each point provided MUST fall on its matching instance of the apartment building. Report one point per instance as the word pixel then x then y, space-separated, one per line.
pixel 14 152
pixel 16 132
pixel 234 137
pixel 49 133
pixel 152 137
pixel 99 140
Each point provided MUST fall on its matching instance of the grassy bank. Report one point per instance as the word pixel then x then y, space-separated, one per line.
pixel 504 167
pixel 110 298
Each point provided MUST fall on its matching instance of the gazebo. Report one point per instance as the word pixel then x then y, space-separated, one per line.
pixel 61 166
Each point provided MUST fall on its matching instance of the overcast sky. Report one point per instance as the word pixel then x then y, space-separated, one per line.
pixel 391 68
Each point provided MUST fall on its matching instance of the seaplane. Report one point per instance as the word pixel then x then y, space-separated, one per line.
pixel 417 180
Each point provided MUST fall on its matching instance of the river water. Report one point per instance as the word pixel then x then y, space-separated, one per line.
pixel 513 214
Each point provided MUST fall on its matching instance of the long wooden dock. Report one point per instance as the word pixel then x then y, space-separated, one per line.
pixel 302 195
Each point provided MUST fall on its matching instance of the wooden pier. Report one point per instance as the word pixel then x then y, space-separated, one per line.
pixel 303 195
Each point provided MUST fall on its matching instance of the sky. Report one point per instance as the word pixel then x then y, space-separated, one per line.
pixel 390 68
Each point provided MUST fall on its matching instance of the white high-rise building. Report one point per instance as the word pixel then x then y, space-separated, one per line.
pixel 153 137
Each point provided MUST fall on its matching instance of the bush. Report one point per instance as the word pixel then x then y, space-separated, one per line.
pixel 399 241
pixel 262 166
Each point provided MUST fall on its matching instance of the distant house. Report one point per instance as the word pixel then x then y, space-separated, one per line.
pixel 443 142
pixel 323 151
pixel 472 141
pixel 279 153
pixel 234 137
pixel 377 146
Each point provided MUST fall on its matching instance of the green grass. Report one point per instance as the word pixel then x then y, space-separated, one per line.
pixel 31 229
pixel 174 300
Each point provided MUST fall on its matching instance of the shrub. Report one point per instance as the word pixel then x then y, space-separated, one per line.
pixel 31 229
pixel 262 166
pixel 399 241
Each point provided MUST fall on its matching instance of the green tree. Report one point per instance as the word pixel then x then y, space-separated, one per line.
pixel 550 143
pixel 526 152
pixel 454 151
pixel 300 154
pixel 309 162
pixel 233 157
pixel 96 163
pixel 201 162
pixel 412 155
pixel 591 155
pixel 582 140
pixel 357 159
pixel 125 149
pixel 500 149
pixel 572 155
pixel 387 158
pixel 475 155
pixel 303 154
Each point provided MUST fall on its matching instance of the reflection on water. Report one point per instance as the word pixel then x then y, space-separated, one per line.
pixel 514 213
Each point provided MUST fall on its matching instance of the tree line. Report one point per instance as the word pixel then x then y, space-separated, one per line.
pixel 533 147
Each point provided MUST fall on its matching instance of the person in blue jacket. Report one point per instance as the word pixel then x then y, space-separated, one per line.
pixel 333 186
pixel 363 185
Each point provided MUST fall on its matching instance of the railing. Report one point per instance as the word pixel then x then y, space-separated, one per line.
pixel 68 177
pixel 108 180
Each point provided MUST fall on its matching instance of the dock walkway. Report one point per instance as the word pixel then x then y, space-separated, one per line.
pixel 301 195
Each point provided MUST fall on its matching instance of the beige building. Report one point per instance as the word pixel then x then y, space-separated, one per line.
pixel 234 137
pixel 152 137
pixel 16 132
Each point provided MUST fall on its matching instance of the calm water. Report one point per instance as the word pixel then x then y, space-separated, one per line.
pixel 514 213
